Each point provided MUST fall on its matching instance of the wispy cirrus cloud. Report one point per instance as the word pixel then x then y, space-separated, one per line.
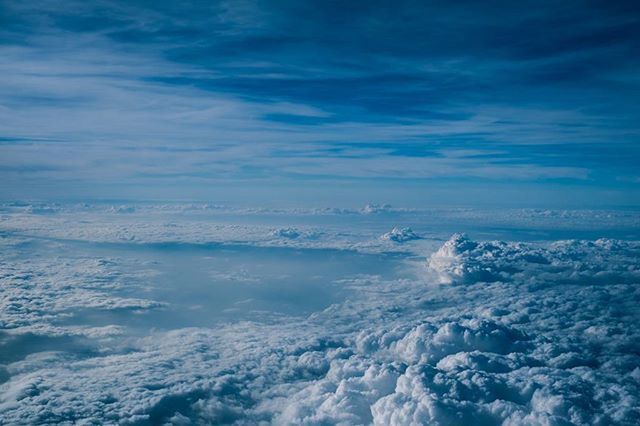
pixel 249 90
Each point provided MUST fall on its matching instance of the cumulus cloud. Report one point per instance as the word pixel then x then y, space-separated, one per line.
pixel 463 260
pixel 400 235
pixel 523 334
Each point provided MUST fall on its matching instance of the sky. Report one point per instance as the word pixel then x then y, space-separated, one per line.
pixel 322 102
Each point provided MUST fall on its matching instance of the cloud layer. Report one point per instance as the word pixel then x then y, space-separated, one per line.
pixel 515 333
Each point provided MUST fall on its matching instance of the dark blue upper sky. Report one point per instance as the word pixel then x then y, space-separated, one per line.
pixel 451 101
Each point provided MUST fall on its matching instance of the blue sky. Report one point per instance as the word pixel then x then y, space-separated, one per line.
pixel 498 103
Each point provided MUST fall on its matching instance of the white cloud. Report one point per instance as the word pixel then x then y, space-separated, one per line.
pixel 550 340
pixel 462 260
pixel 39 293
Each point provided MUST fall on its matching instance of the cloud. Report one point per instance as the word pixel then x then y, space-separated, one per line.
pixel 40 295
pixel 152 93
pixel 400 235
pixel 319 227
pixel 461 260
pixel 551 340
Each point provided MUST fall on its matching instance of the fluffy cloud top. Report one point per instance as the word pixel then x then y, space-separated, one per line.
pixel 491 333
pixel 400 235
pixel 587 262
